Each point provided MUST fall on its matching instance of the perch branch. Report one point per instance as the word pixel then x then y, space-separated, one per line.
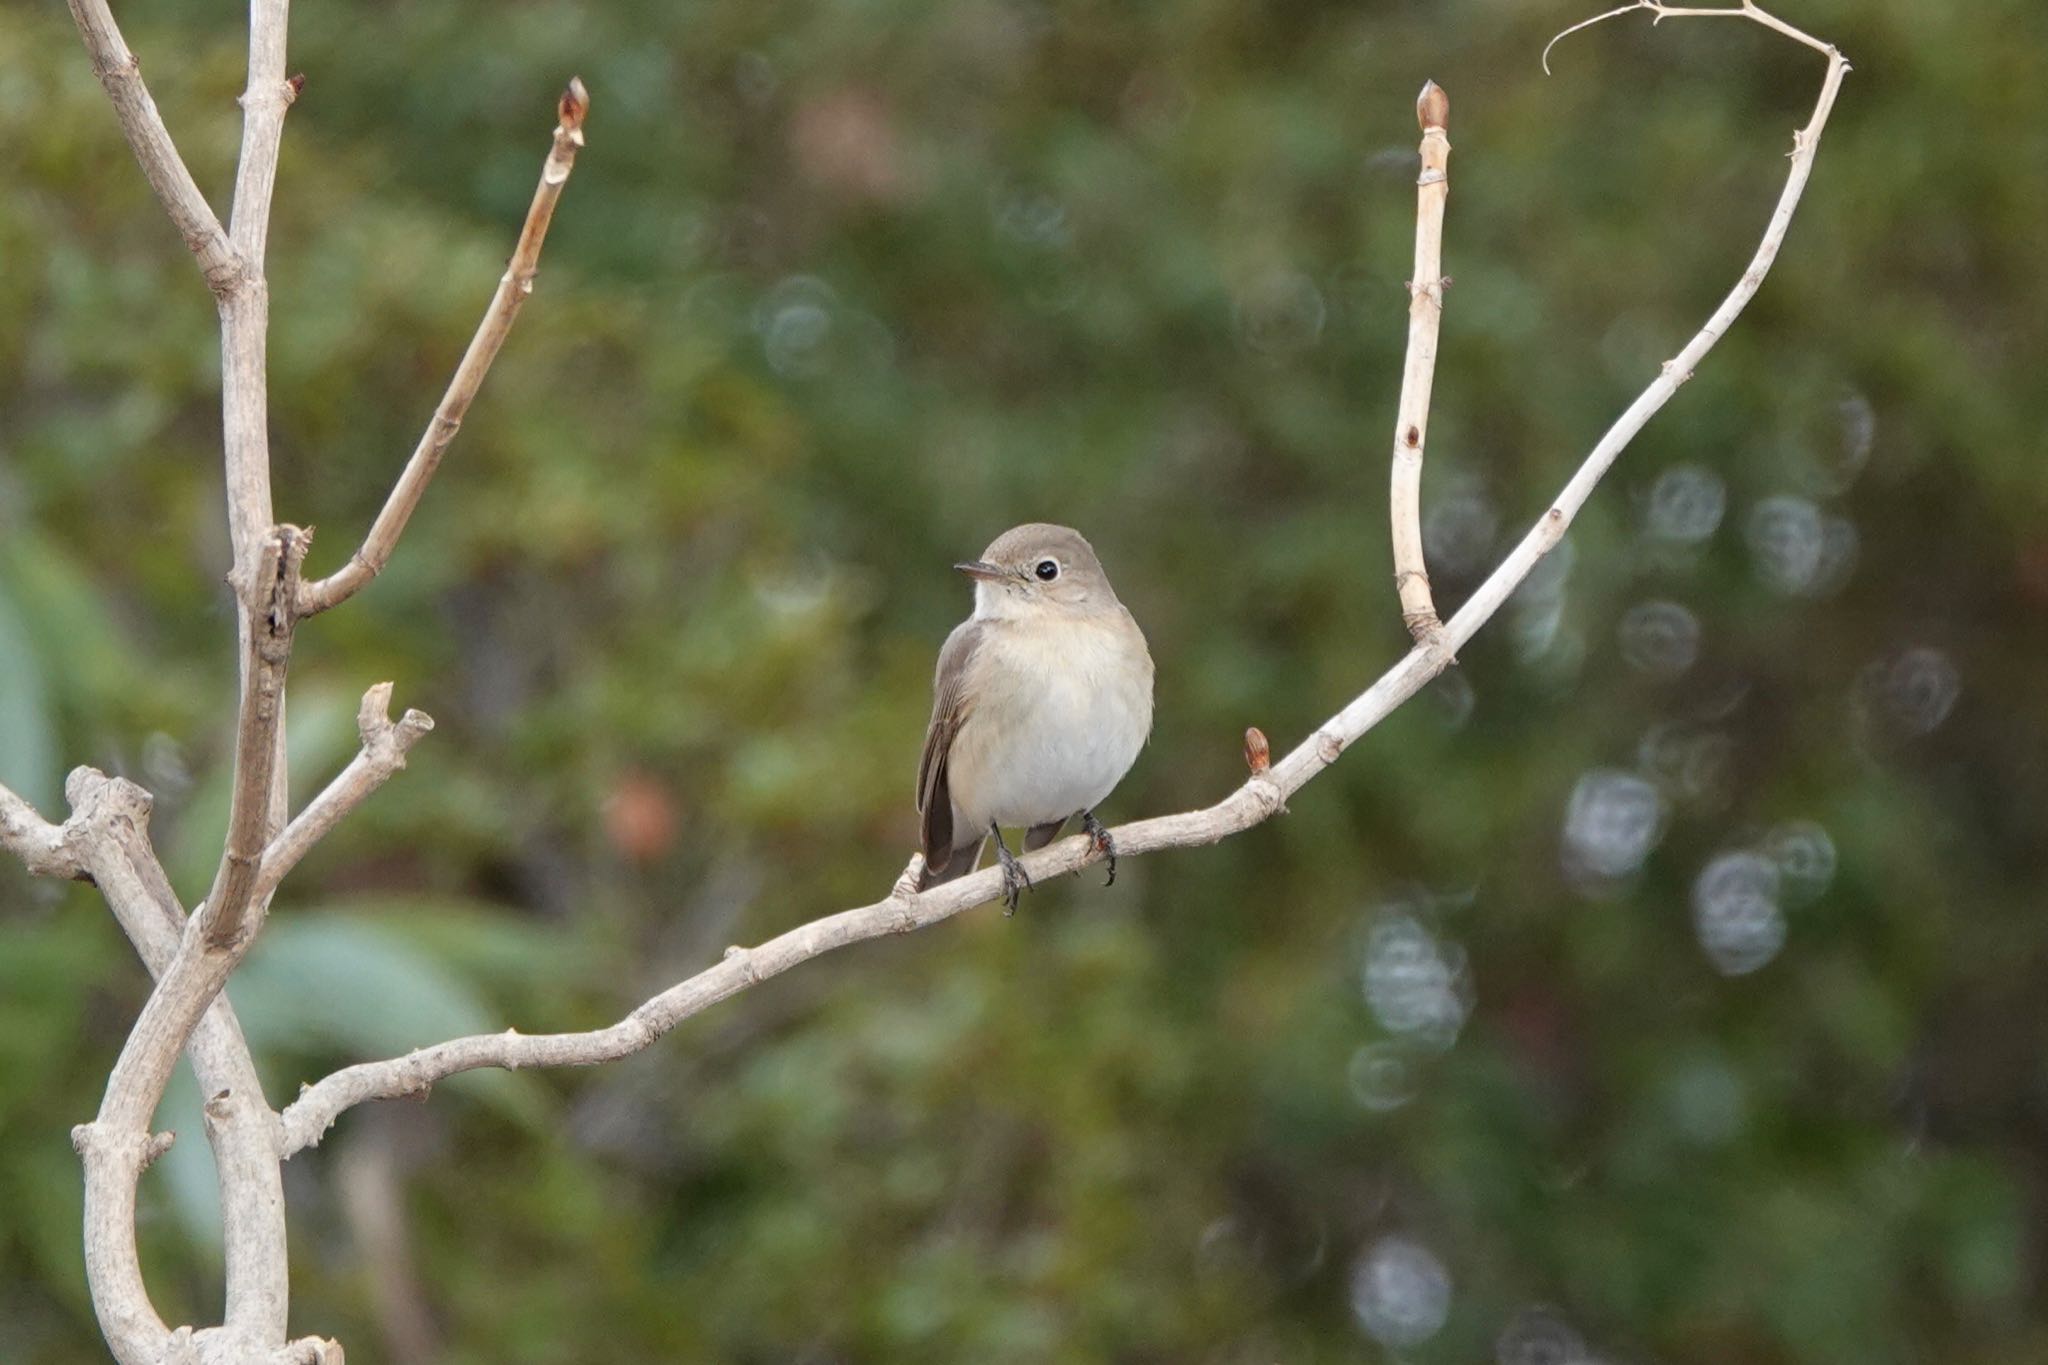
pixel 143 126
pixel 1265 793
pixel 1418 373
pixel 513 288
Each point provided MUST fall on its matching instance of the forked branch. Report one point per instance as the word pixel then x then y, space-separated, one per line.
pixel 513 287
pixel 1262 795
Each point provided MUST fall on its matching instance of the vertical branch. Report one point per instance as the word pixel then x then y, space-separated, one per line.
pixel 1418 373
pixel 245 309
pixel 270 614
pixel 517 282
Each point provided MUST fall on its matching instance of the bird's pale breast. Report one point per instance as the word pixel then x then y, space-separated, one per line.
pixel 1062 707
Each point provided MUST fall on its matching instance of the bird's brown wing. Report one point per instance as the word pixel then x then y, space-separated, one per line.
pixel 949 709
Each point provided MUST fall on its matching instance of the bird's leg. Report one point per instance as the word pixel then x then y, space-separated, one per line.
pixel 1099 832
pixel 1016 881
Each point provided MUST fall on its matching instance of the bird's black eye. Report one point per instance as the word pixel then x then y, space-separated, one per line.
pixel 1047 570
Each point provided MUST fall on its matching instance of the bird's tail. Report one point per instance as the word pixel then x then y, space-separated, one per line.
pixel 958 863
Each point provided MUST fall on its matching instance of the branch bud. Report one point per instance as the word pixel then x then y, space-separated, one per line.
pixel 1433 107
pixel 574 105
pixel 1258 755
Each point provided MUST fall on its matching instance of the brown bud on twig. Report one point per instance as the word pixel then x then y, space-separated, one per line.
pixel 574 105
pixel 1258 755
pixel 1433 107
pixel 296 84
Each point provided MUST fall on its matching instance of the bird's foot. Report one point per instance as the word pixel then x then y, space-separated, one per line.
pixel 1099 832
pixel 1016 881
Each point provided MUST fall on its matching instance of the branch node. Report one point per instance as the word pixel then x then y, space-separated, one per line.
pixel 745 958
pixel 1426 630
pixel 141 1148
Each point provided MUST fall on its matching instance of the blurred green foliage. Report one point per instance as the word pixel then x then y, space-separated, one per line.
pixel 1533 1026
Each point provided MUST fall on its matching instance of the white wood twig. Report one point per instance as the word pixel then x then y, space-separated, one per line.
pixel 513 288
pixel 385 744
pixel 1418 372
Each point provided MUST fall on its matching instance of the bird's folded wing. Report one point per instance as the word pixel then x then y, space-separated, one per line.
pixel 949 710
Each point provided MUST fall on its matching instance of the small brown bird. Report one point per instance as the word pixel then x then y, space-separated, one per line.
pixel 1041 702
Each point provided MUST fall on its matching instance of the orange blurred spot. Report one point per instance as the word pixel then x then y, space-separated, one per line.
pixel 640 817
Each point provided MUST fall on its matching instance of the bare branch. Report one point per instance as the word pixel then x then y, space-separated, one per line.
pixel 385 745
pixel 114 1160
pixel 513 287
pixel 45 849
pixel 110 817
pixel 1418 373
pixel 245 309
pixel 264 102
pixel 269 606
pixel 144 128
pixel 109 822
pixel 1659 12
pixel 1264 794
pixel 115 1146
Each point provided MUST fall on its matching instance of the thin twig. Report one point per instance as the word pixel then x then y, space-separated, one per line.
pixel 1659 12
pixel 306 1119
pixel 245 309
pixel 269 603
pixel 385 745
pixel 1418 373
pixel 513 287
pixel 144 128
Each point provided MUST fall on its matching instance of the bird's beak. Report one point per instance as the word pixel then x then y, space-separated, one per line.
pixel 982 569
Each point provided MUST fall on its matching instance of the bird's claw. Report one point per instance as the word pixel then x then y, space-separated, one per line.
pixel 1104 841
pixel 1016 881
